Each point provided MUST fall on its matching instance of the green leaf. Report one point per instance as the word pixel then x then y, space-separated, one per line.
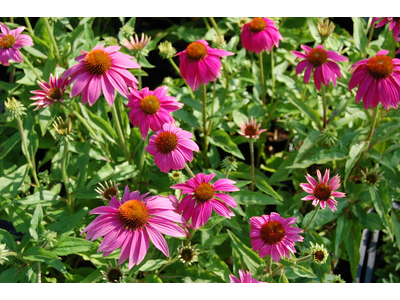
pixel 40 254
pixel 215 240
pixel 44 198
pixel 37 218
pixel 9 275
pixel 44 119
pixel 6 238
pixel 231 223
pixel 19 179
pixel 323 216
pixel 309 142
pixel 222 139
pixel 49 68
pixel 354 154
pixel 212 222
pixel 187 117
pixel 382 205
pixel 103 174
pixel 151 278
pixel 266 188
pixel 303 271
pixel 72 245
pixel 312 25
pixel 353 241
pixel 152 265
pixel 283 278
pixel 9 144
pixel 234 105
pixel 32 141
pixel 34 52
pixel 396 227
pixel 83 160
pixel 257 198
pixel 360 39
pixel 309 112
pixel 247 255
pixel 88 35
pixel 68 223
pixel 217 266
pixel 320 158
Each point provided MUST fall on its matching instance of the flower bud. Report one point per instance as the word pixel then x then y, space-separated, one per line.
pixel 166 50
pixel 15 108
pixel 325 28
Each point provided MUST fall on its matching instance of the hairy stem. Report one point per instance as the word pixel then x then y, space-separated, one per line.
pixel 64 175
pixel 313 216
pixel 262 78
pixel 53 40
pixel 28 157
pixel 189 170
pixel 28 24
pixel 206 23
pixel 272 75
pixel 215 25
pixel 27 61
pixel 252 164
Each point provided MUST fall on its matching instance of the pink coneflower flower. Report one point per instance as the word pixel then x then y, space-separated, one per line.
pixel 50 92
pixel 245 277
pixel 200 63
pixel 324 191
pixel 251 130
pixel 394 24
pixel 101 70
pixel 379 79
pixel 260 34
pixel 273 235
pixel 10 42
pixel 130 223
pixel 317 59
pixel 171 147
pixel 202 199
pixel 135 44
pixel 151 109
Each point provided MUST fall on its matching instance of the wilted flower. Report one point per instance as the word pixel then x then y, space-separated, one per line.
pixel 188 254
pixel 319 253
pixel 251 130
pixel 114 274
pixel 63 128
pixel 324 191
pixel 50 92
pixel 378 78
pixel 325 28
pixel 166 50
pixel 10 43
pixel 15 108
pixel 108 191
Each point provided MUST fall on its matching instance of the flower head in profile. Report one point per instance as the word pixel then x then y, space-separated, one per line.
pixel 134 44
pixel 251 130
pixel 323 192
pixel 151 109
pixel 10 43
pixel 50 92
pixel 200 63
pixel 260 34
pixel 107 191
pixel 378 80
pixel 202 197
pixel 273 235
pixel 394 24
pixel 101 69
pixel 322 62
pixel 132 223
pixel 244 277
pixel 171 147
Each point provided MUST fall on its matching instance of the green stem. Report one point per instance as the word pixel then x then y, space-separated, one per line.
pixel 167 264
pixel 227 173
pixel 215 25
pixel 312 218
pixel 28 24
pixel 272 75
pixel 28 157
pixel 39 276
pixel 140 71
pixel 141 162
pixel 26 60
pixel 269 265
pixel 303 259
pixel 53 40
pixel 205 123
pixel 120 133
pixel 179 72
pixel 276 271
pixel 86 124
pixel 262 79
pixel 324 105
pixel 11 19
pixel 206 22
pixel 64 175
pixel 212 110
pixel 189 170
pixel 252 164
pixel 371 31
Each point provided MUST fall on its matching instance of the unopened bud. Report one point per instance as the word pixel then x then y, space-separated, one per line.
pixel 166 50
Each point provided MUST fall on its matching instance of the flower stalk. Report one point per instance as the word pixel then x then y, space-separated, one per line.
pixel 28 24
pixel 312 218
pixel 324 105
pixel 189 170
pixel 53 40
pixel 120 133
pixel 65 176
pixel 205 123
pixel 27 61
pixel 179 72
pixel 262 79
pixel 251 143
